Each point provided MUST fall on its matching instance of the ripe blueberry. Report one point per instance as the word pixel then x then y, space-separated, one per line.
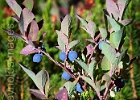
pixel 119 82
pixel 37 58
pixel 100 44
pixel 78 88
pixel 72 55
pixel 66 76
pixel 62 56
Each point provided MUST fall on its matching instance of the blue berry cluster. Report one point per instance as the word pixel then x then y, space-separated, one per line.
pixel 72 55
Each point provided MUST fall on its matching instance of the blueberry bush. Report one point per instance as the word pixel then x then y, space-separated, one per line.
pixel 96 71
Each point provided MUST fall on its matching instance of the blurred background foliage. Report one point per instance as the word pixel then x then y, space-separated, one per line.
pixel 52 11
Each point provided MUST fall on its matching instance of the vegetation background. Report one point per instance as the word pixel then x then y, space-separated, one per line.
pixel 52 11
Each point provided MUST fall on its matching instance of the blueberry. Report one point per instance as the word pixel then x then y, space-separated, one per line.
pixel 119 82
pixel 62 56
pixel 78 88
pixel 66 76
pixel 37 58
pixel 72 55
pixel 100 44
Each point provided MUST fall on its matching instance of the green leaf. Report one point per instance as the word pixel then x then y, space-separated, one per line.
pixel 47 85
pixel 117 36
pixel 30 73
pixel 73 43
pixel 65 25
pixel 39 79
pixel 114 24
pixel 103 32
pixel 105 64
pixel 14 6
pixel 82 64
pixel 28 4
pixel 98 86
pixel 82 21
pixel 89 81
pixel 91 68
pixel 70 86
pixel 60 41
pixel 106 78
pixel 109 52
pixel 118 60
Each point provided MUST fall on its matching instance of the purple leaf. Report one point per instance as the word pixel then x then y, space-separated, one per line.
pixel 40 24
pixel 15 6
pixel 16 18
pixel 26 17
pixel 126 21
pixel 11 32
pixel 112 9
pixel 33 31
pixel 29 49
pixel 28 4
pixel 122 5
pixel 62 95
pixel 38 94
pixel 91 28
pixel 89 49
pixel 60 48
pixel 65 25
